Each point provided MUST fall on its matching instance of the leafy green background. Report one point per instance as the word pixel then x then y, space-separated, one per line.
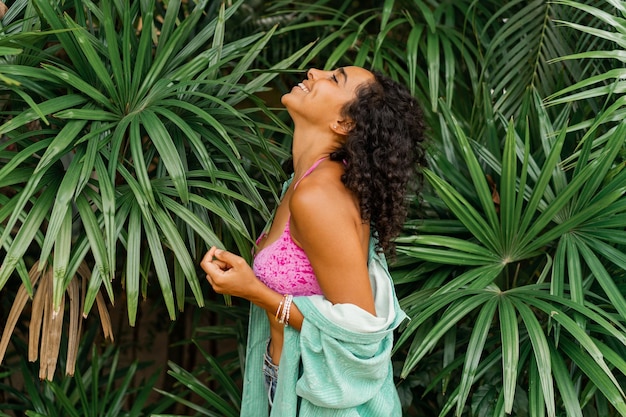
pixel 134 134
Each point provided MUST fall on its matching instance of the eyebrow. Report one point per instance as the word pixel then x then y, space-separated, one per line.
pixel 345 76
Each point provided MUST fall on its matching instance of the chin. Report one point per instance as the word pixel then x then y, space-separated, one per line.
pixel 287 100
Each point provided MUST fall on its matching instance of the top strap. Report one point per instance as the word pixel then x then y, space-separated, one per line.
pixel 308 171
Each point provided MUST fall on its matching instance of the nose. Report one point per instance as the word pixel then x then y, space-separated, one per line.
pixel 313 73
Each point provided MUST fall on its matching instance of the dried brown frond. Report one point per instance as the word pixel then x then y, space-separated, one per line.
pixel 105 319
pixel 36 319
pixel 46 325
pixel 73 332
pixel 16 310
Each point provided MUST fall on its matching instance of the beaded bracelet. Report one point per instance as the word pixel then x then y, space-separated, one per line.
pixel 284 309
pixel 288 311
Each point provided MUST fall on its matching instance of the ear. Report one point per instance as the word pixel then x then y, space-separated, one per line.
pixel 342 127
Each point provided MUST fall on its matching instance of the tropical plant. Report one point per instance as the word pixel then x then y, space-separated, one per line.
pixel 9 46
pixel 102 386
pixel 212 387
pixel 515 279
pixel 512 265
pixel 134 151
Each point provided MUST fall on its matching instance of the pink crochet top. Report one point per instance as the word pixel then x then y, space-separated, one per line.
pixel 283 266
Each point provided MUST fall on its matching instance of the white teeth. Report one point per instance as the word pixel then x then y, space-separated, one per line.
pixel 303 87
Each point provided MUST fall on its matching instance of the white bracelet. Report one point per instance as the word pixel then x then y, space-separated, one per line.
pixel 284 317
pixel 288 310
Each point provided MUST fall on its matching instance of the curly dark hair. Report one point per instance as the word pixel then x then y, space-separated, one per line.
pixel 383 154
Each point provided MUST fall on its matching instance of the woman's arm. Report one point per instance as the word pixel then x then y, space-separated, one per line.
pixel 326 223
pixel 230 274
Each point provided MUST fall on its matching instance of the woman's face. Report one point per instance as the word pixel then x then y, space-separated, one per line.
pixel 321 96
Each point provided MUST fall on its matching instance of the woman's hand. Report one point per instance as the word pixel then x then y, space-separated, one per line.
pixel 229 274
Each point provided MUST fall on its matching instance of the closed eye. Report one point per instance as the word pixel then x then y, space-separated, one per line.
pixel 335 79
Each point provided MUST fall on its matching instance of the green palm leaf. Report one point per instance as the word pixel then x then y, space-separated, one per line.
pixel 542 355
pixel 475 349
pixel 510 350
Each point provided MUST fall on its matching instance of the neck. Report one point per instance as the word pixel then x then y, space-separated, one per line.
pixel 309 146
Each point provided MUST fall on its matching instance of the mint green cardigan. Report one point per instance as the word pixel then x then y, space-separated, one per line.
pixel 339 364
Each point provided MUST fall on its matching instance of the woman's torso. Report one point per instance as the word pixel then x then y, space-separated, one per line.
pixel 278 253
pixel 279 262
pixel 284 267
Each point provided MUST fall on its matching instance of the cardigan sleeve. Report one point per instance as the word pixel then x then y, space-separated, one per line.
pixel 341 373
pixel 345 351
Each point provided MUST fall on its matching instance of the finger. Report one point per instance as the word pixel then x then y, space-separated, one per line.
pixel 208 256
pixel 213 274
pixel 212 269
pixel 213 284
pixel 208 260
pixel 221 264
pixel 227 257
pixel 209 279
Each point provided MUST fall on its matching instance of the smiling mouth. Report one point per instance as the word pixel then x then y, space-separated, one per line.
pixel 303 87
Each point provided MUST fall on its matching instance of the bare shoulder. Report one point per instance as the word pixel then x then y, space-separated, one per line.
pixel 326 223
pixel 322 197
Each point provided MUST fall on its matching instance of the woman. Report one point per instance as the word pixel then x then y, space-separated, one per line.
pixel 321 329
